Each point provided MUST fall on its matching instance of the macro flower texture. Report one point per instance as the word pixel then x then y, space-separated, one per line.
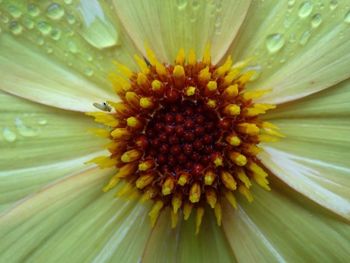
pixel 175 131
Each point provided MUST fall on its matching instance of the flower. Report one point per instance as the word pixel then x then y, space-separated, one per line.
pixel 54 62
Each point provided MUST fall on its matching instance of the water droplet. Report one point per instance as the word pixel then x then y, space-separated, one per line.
pixel 305 9
pixel 15 28
pixel 274 42
pixel 88 72
pixel 9 135
pixel 304 37
pixel 316 20
pixel 68 2
pixel 40 41
pixel 42 122
pixel 70 19
pixel 72 47
pixel 333 4
pixel 347 17
pixel 181 4
pixel 291 3
pixel 4 18
pixel 49 49
pixel 25 130
pixel 55 11
pixel 55 34
pixel 14 11
pixel 195 4
pixel 28 23
pixel 44 27
pixel 33 10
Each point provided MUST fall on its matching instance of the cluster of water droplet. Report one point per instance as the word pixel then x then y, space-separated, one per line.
pixel 74 31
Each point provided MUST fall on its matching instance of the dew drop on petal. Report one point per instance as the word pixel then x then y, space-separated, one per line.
pixel 333 4
pixel 72 47
pixel 181 4
pixel 25 130
pixel 42 122
pixel 305 38
pixel 55 34
pixel 9 135
pixel 15 28
pixel 274 42
pixel 33 10
pixel 28 22
pixel 347 17
pixel 305 9
pixel 55 11
pixel 316 20
pixel 44 27
pixel 88 72
pixel 14 11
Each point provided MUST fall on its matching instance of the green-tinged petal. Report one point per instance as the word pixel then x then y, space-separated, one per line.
pixel 27 226
pixel 163 241
pixel 280 226
pixel 39 144
pixel 301 47
pixel 51 53
pixel 210 245
pixel 107 230
pixel 43 135
pixel 329 103
pixel 168 26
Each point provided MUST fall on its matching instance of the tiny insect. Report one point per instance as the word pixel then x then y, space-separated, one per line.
pixel 103 106
pixel 147 62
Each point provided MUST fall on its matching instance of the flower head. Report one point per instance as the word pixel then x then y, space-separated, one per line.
pixel 186 127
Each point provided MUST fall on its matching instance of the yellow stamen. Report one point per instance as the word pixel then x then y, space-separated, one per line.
pixel 229 78
pixel 121 133
pixel 144 180
pixel 252 112
pixel 126 170
pixel 192 57
pixel 111 184
pixel 126 190
pixel 104 118
pixel 131 156
pixel 199 218
pixel 230 92
pixel 228 180
pixel 273 133
pixel 183 179
pixel 149 193
pixel 168 186
pixel 222 70
pixel 190 91
pixel 231 198
pixel 232 110
pixel 251 149
pixel 142 64
pixel 204 75
pixel 259 175
pixel 132 98
pixel 209 177
pixel 151 56
pixel 133 122
pixel 124 69
pixel 122 109
pixel 160 69
pixel 142 79
pixel 269 125
pixel 206 56
pixel 218 213
pixel 146 103
pixel 248 128
pixel 233 140
pixel 176 202
pixel 249 95
pixel 180 58
pixel 245 191
pixel 157 86
pixel 212 86
pixel 146 165
pixel 218 161
pixel 268 138
pixel 179 76
pixel 264 106
pixel 187 210
pixel 211 103
pixel 243 178
pixel 103 161
pixel 246 77
pixel 211 197
pixel 195 193
pixel 174 219
pixel 100 132
pixel 238 158
pixel 155 211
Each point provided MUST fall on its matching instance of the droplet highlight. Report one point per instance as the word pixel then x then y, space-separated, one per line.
pixel 9 135
pixel 274 42
pixel 305 9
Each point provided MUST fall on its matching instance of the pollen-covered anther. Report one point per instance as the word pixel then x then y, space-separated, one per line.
pixel 185 135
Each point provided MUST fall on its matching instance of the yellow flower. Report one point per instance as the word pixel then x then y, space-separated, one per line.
pixel 55 57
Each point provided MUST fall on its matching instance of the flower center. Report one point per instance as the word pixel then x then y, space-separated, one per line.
pixel 182 136
pixel 185 135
